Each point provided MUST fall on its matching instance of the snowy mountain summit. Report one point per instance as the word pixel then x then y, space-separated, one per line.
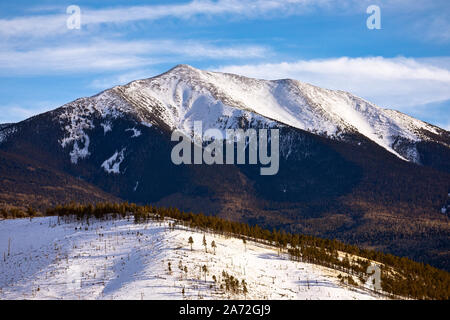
pixel 185 94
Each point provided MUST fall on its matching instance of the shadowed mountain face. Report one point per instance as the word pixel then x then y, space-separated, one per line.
pixel 348 169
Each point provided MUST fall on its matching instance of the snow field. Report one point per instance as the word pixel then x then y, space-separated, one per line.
pixel 118 259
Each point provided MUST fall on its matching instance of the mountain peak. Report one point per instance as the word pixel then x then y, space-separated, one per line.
pixel 185 94
pixel 183 68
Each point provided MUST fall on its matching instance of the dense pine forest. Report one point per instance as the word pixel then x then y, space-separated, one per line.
pixel 400 277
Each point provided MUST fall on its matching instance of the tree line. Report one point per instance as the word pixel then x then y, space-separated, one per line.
pixel 400 276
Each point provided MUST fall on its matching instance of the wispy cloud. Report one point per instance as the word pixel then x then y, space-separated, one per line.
pixel 389 82
pixel 414 14
pixel 54 24
pixel 116 55
pixel 436 29
pixel 437 113
pixel 16 113
pixel 120 79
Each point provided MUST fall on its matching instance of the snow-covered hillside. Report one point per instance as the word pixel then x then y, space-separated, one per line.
pixel 185 94
pixel 118 259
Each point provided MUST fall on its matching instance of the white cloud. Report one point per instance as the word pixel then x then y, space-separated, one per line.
pixel 34 26
pixel 115 55
pixel 390 82
pixel 53 24
pixel 436 29
pixel 422 19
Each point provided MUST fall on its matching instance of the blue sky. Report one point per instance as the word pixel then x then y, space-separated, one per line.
pixel 405 65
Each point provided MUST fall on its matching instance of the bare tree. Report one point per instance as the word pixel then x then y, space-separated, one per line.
pixel 213 245
pixel 191 242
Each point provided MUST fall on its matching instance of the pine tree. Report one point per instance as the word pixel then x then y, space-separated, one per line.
pixel 4 213
pixel 244 288
pixel 31 212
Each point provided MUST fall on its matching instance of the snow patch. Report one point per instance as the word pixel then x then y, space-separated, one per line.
pixel 136 132
pixel 112 165
pixel 75 126
pixel 147 124
pixel 77 118
pixel 6 132
pixel 107 127
pixel 78 152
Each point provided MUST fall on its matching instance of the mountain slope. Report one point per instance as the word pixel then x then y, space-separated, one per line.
pixel 26 182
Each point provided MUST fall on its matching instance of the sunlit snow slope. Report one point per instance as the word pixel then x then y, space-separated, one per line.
pixel 119 259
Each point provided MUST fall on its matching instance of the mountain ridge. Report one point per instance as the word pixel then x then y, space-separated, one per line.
pixel 326 123
pixel 185 94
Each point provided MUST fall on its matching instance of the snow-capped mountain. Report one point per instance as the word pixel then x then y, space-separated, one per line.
pixel 184 94
pixel 342 170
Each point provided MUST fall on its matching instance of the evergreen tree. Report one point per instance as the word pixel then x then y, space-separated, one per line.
pixel 244 288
